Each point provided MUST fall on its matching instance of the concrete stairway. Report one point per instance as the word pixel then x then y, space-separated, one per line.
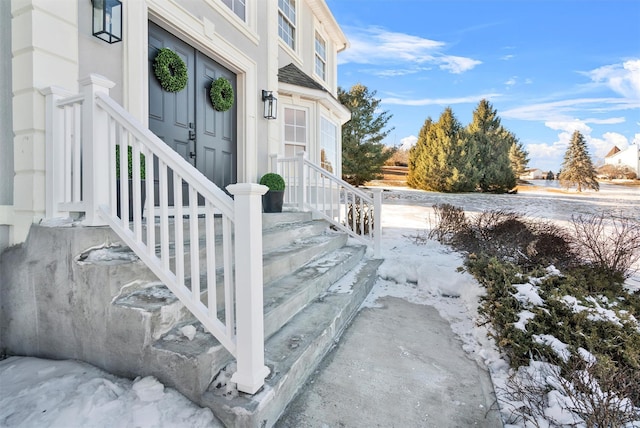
pixel 314 283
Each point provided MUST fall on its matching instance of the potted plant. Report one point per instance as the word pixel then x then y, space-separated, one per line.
pixel 143 193
pixel 273 199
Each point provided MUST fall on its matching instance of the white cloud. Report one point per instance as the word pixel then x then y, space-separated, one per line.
pixel 376 45
pixel 440 101
pixel 623 79
pixel 569 126
pixel 511 82
pixel 567 109
pixel 407 142
pixel 507 57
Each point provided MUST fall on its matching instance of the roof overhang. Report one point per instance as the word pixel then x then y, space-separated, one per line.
pixel 323 97
pixel 324 15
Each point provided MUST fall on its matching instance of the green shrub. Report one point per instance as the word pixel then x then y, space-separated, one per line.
pixel 130 167
pixel 273 181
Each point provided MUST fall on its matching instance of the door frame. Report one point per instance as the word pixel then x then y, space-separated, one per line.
pixel 201 35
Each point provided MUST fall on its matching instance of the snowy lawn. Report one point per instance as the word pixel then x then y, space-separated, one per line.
pixel 39 393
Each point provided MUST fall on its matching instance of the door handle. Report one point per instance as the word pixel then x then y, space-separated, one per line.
pixel 192 132
pixel 192 155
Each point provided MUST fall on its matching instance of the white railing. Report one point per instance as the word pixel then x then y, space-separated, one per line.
pixel 83 132
pixel 310 187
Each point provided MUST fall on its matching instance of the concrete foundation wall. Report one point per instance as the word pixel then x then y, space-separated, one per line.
pixel 54 306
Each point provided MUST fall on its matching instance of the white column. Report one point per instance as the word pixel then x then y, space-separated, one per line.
pixel 249 282
pixel 95 153
pixel 54 152
pixel 302 181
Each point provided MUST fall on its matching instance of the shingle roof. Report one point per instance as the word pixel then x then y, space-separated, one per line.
pixel 294 76
pixel 612 151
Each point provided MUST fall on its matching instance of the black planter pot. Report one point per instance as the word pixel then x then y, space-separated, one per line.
pixel 272 201
pixel 143 197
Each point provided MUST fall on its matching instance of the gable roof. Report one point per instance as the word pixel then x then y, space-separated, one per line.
pixel 294 76
pixel 613 151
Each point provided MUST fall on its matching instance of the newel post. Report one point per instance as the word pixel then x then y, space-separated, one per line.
pixel 249 301
pixel 377 222
pixel 95 149
pixel 54 152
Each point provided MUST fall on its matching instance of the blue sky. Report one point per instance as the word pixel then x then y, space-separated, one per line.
pixel 548 67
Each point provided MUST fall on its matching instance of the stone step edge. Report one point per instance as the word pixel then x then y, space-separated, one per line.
pixel 292 355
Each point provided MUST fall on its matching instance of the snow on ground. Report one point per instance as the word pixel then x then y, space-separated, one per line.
pixel 38 393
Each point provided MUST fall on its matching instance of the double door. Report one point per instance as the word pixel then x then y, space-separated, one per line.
pixel 186 120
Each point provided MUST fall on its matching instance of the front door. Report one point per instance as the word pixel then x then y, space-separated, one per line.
pixel 186 120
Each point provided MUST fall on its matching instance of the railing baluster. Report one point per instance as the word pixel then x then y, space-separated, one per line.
pixel 194 244
pixel 124 177
pixel 212 298
pixel 150 202
pixel 76 110
pixel 164 214
pixel 178 224
pixel 137 191
pixel 227 260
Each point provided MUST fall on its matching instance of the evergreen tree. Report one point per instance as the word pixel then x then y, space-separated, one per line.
pixel 417 172
pixel 363 154
pixel 492 143
pixel 444 161
pixel 518 156
pixel 577 167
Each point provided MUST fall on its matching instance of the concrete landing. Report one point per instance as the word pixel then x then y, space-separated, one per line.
pixel 396 366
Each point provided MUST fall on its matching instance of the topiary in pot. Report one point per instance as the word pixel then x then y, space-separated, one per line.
pixel 272 200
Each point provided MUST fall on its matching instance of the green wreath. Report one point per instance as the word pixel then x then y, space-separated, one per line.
pixel 170 70
pixel 221 94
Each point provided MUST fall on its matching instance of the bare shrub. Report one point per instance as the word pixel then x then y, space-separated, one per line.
pixel 360 217
pixel 450 221
pixel 596 395
pixel 607 242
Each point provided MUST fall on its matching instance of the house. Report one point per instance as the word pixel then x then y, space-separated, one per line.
pixel 533 174
pixel 207 96
pixel 629 157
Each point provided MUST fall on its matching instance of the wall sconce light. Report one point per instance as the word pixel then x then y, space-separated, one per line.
pixel 270 105
pixel 107 20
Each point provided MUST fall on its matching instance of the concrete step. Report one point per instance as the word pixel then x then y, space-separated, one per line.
pixel 292 354
pixel 189 364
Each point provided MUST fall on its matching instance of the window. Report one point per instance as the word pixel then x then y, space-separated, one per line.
pixel 287 22
pixel 239 7
pixel 321 57
pixel 295 131
pixel 328 145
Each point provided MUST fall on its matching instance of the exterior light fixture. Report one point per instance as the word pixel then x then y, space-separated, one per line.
pixel 270 105
pixel 107 20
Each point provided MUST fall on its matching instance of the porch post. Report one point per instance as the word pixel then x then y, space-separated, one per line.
pixel 249 296
pixel 377 222
pixel 54 152
pixel 95 149
pixel 274 163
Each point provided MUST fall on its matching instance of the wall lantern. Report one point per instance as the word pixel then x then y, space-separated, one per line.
pixel 270 105
pixel 107 20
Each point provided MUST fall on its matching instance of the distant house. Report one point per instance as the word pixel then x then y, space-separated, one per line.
pixel 629 157
pixel 533 174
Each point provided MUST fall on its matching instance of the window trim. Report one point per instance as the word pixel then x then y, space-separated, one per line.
pixel 318 37
pixel 292 25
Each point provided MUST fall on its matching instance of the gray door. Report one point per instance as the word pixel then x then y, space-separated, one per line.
pixel 186 120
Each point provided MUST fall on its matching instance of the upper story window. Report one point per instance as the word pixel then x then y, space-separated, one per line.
pixel 287 22
pixel 321 57
pixel 239 7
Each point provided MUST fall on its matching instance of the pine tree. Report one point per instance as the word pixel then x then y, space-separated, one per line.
pixel 443 161
pixel 577 167
pixel 363 154
pixel 417 171
pixel 518 156
pixel 492 142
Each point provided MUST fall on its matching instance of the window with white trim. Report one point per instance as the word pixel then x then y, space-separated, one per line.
pixel 287 22
pixel 328 145
pixel 321 57
pixel 295 131
pixel 239 7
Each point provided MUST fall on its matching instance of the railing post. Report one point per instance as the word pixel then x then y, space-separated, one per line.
pixel 249 296
pixel 274 163
pixel 95 149
pixel 302 181
pixel 377 222
pixel 54 152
